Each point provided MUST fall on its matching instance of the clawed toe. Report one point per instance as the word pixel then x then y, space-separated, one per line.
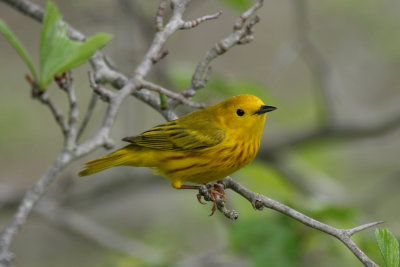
pixel 215 193
pixel 210 192
pixel 199 199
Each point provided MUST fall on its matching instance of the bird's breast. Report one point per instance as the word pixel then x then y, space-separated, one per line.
pixel 237 152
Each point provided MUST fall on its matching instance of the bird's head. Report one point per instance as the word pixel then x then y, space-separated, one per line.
pixel 243 112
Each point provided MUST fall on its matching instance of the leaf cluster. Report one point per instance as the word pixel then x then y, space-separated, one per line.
pixel 58 53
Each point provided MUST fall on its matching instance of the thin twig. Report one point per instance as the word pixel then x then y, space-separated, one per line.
pixel 202 72
pixel 247 14
pixel 193 23
pixel 160 14
pixel 45 99
pixel 88 114
pixel 73 114
pixel 154 87
pixel 105 95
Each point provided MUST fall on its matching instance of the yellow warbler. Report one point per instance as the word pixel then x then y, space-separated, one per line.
pixel 203 146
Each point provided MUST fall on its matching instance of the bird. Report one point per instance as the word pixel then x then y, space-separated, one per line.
pixel 203 146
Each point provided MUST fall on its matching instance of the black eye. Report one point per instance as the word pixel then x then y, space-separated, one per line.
pixel 240 112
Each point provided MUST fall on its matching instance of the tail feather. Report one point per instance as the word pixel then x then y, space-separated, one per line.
pixel 100 164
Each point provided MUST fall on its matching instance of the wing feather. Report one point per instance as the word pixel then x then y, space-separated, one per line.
pixel 182 136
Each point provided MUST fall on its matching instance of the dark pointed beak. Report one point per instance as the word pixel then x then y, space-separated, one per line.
pixel 264 109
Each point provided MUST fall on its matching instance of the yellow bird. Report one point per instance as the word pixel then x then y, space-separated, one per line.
pixel 203 146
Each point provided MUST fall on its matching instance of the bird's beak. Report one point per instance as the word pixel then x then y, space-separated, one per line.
pixel 264 109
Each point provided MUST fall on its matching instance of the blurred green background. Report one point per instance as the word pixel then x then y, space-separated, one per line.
pixel 345 179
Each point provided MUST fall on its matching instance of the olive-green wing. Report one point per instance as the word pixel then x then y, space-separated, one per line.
pixel 179 136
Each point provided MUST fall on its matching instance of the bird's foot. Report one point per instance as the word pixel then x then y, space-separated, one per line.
pixel 212 192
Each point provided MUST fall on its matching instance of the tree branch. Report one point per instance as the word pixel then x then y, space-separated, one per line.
pixel 240 33
pixel 29 201
pixel 160 14
pixel 88 115
pixel 193 23
pixel 45 99
pixel 260 201
pixel 179 97
pixel 103 73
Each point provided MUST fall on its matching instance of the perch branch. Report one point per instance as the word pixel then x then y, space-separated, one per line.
pixel 102 74
pixel 260 201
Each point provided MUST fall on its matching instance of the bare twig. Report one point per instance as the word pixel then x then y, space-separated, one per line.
pixel 28 202
pixel 104 94
pixel 193 23
pixel 73 114
pixel 344 235
pixel 238 36
pixel 242 33
pixel 160 38
pixel 173 95
pixel 88 114
pixel 160 56
pixel 160 14
pixel 45 99
pixel 247 14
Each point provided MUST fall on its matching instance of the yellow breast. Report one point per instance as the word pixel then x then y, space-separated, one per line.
pixel 209 165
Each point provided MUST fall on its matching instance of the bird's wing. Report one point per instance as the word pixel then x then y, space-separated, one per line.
pixel 181 136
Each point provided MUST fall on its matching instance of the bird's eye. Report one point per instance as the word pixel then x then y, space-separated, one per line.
pixel 240 112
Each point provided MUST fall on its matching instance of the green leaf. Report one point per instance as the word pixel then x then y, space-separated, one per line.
pixel 58 53
pixel 84 51
pixel 8 34
pixel 388 246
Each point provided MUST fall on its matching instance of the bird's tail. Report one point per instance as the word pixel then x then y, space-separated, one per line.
pixel 116 158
